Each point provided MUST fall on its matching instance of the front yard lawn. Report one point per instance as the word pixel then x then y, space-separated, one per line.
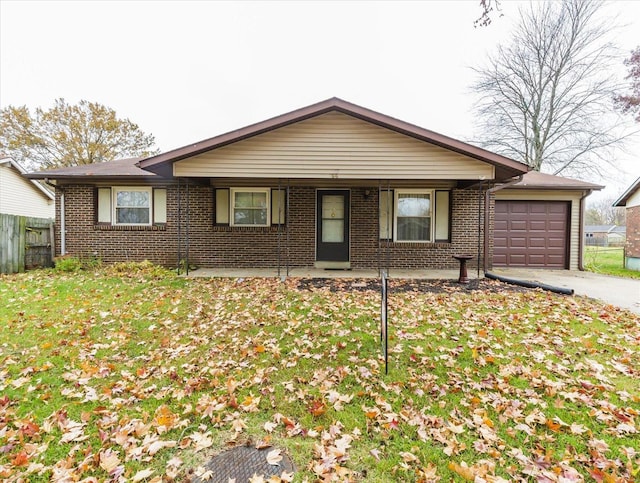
pixel 132 373
pixel 609 261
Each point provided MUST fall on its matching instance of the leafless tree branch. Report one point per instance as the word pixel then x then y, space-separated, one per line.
pixel 547 97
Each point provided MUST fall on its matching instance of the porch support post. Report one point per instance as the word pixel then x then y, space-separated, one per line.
pixel 288 219
pixel 379 232
pixel 278 227
pixel 186 264
pixel 389 220
pixel 479 218
pixel 179 221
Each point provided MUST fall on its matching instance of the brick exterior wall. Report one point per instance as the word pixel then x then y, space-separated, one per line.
pixel 228 247
pixel 632 246
pixel 85 238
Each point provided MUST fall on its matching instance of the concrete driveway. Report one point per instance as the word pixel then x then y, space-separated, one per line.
pixel 623 292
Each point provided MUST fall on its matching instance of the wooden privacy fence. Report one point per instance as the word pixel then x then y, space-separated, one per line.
pixel 25 243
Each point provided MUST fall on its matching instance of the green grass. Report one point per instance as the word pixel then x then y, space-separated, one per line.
pixel 608 261
pixel 498 384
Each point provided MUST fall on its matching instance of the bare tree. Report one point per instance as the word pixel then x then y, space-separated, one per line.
pixel 602 212
pixel 546 97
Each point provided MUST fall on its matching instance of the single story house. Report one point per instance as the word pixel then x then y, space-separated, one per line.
pixel 605 235
pixel 332 185
pixel 631 200
pixel 22 196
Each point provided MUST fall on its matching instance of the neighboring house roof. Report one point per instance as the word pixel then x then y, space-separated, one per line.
pixel 622 201
pixel 23 172
pixel 537 180
pixel 505 167
pixel 119 168
pixel 605 229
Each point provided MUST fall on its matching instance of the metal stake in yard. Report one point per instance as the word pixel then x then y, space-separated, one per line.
pixel 383 320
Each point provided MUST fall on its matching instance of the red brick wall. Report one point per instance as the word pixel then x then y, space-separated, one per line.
pixel 632 246
pixel 86 239
pixel 223 246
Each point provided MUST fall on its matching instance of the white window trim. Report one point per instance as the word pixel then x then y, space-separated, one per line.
pixel 233 191
pixel 114 198
pixel 396 196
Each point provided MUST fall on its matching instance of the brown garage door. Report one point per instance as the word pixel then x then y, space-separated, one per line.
pixel 531 234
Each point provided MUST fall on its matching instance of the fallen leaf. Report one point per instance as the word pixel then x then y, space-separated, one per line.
pixel 142 475
pixel 464 471
pixel 274 457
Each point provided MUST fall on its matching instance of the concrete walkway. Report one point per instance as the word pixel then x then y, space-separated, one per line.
pixel 323 273
pixel 622 292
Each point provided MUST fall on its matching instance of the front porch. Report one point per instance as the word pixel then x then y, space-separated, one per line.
pixel 312 272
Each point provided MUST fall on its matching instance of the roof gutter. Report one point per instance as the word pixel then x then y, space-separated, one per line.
pixel 487 197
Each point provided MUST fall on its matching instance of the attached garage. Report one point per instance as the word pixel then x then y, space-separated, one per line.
pixel 531 234
pixel 537 222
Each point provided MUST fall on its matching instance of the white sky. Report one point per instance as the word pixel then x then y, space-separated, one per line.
pixel 186 71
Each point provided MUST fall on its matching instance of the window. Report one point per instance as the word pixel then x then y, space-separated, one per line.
pixel 132 206
pixel 250 206
pixel 135 206
pixel 415 215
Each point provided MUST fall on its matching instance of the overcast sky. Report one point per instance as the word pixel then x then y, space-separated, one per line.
pixel 186 71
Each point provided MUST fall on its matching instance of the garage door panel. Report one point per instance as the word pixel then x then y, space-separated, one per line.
pixel 556 243
pixel 536 242
pixel 538 260
pixel 516 242
pixel 531 233
pixel 557 226
pixel 538 225
pixel 500 260
pixel 516 260
pixel 518 208
pixel 559 208
pixel 536 208
pixel 501 225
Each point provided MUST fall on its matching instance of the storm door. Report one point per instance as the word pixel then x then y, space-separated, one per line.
pixel 332 215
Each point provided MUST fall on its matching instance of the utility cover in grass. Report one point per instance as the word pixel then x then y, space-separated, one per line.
pixel 243 462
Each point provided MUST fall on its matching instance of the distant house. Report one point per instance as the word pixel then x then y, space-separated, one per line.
pixel 605 235
pixel 332 185
pixel 631 200
pixel 22 196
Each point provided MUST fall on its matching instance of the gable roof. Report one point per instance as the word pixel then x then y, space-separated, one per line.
pixel 23 172
pixel 119 168
pixel 505 167
pixel 622 201
pixel 537 180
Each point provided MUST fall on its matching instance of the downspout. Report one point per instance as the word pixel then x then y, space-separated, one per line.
pixel 63 227
pixel 581 234
pixel 487 196
pixel 63 237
